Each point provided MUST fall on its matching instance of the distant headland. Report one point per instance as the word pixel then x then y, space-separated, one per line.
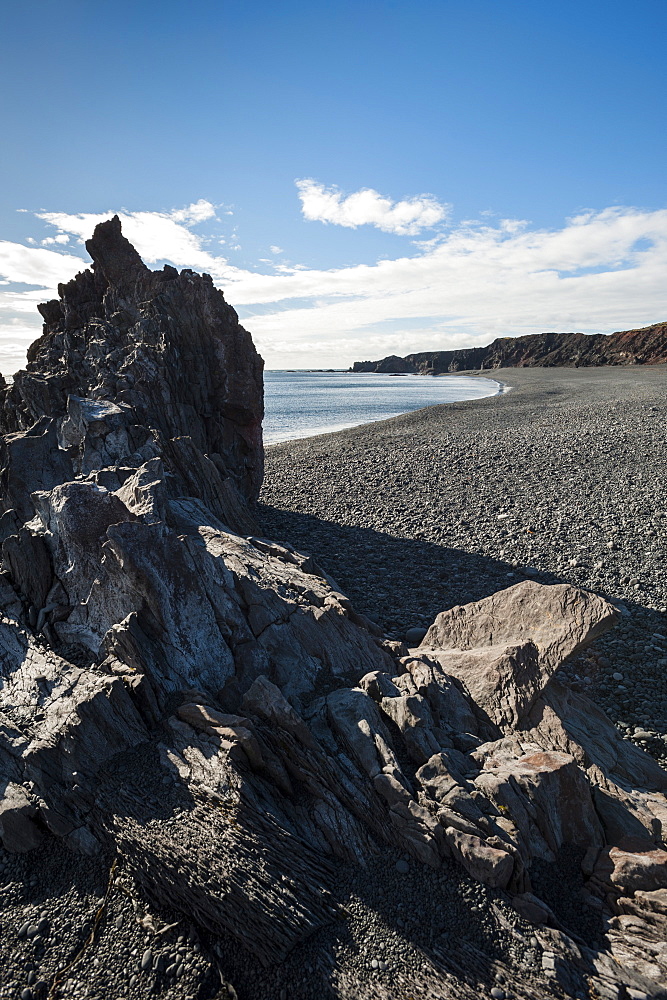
pixel 646 346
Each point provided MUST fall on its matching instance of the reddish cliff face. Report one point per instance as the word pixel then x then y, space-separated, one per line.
pixel 647 346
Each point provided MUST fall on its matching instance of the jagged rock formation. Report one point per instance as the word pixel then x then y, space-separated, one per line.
pixel 206 704
pixel 133 364
pixel 647 346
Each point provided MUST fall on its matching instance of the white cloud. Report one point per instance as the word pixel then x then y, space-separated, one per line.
pixel 479 283
pixel 199 211
pixel 369 208
pixel 156 235
pixel 35 266
pixel 276 249
pixel 598 272
pixel 60 238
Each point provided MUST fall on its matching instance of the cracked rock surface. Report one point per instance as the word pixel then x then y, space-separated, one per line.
pixel 217 778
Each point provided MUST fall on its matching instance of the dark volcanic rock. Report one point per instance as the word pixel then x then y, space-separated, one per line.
pixel 129 361
pixel 647 346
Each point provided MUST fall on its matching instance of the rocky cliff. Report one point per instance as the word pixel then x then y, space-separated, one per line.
pixel 647 346
pixel 198 713
pixel 133 364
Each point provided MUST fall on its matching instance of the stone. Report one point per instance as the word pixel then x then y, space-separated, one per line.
pixel 378 685
pixel 531 908
pixel 559 621
pixel 354 717
pixel 547 797
pixel 486 864
pixel 503 681
pixel 82 841
pixel 636 864
pixel 266 700
pixel 436 779
pixel 450 708
pixel 412 715
pixel 415 635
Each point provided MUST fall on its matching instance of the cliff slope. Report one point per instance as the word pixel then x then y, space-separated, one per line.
pixel 647 346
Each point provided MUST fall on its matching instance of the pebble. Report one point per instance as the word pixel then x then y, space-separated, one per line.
pixel 402 867
pixel 497 993
pixel 146 959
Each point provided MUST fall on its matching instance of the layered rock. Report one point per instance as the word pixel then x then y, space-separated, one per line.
pixel 207 705
pixel 135 363
pixel 647 346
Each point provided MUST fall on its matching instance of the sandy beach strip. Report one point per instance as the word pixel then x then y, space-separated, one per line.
pixel 563 478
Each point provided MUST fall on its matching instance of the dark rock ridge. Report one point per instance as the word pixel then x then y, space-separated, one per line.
pixel 132 364
pixel 647 346
pixel 205 706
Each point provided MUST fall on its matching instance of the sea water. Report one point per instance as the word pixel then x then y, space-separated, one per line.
pixel 302 403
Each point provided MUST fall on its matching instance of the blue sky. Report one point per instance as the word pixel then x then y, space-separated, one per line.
pixel 360 178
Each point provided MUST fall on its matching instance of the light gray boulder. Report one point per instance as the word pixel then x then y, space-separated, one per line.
pixel 559 620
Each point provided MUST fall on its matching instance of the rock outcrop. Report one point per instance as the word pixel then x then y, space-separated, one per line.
pixel 647 346
pixel 206 705
pixel 132 364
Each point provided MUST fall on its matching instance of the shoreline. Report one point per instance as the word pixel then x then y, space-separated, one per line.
pixel 557 480
pixel 337 428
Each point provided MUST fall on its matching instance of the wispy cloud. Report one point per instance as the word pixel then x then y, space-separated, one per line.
pixel 598 272
pixel 369 208
pixel 36 266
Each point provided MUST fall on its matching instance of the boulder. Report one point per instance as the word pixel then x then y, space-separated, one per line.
pixel 502 681
pixel 558 620
pixel 636 864
pixel 548 798
pixel 483 863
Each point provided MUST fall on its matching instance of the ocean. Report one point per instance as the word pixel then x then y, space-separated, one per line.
pixel 302 403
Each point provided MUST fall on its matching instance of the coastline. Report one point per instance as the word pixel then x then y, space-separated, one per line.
pixel 327 413
pixel 558 479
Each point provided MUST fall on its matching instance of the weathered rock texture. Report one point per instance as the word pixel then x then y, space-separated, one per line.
pixel 647 346
pixel 206 703
pixel 135 363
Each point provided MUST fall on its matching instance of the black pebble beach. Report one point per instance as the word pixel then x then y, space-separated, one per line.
pixel 563 478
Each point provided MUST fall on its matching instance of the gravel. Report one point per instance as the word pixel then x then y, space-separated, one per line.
pixel 560 479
